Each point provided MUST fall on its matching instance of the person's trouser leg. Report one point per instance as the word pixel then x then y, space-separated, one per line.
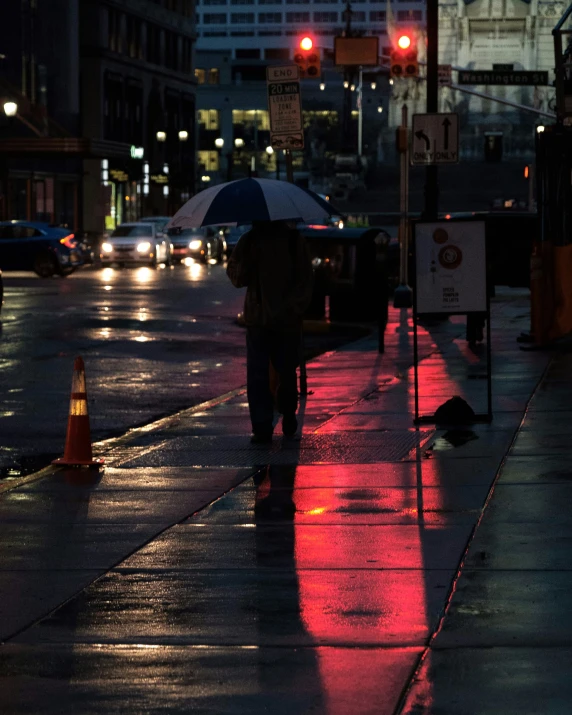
pixel 260 400
pixel 285 356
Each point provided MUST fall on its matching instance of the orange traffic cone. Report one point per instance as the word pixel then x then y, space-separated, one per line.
pixel 78 440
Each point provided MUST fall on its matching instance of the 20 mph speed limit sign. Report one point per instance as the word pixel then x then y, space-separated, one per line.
pixel 435 139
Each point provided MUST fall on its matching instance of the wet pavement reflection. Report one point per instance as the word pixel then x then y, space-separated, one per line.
pixel 310 585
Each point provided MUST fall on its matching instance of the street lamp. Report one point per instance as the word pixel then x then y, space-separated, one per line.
pixel 380 109
pixel 239 142
pixel 346 84
pixel 269 150
pixel 219 142
pixel 183 135
pixel 374 85
pixel 539 129
pixel 10 109
pixel 161 136
pixel 322 86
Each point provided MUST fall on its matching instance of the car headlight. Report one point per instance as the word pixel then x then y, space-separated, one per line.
pixel 106 247
pixel 195 245
pixel 340 224
pixel 144 247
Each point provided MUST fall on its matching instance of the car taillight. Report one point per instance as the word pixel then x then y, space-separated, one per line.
pixel 69 241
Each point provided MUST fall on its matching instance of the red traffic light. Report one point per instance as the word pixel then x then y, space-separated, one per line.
pixel 404 42
pixel 306 43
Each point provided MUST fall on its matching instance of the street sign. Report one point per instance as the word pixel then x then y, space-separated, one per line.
pixel 356 51
pixel 516 77
pixel 285 107
pixel 435 139
pixel 450 261
pixel 444 75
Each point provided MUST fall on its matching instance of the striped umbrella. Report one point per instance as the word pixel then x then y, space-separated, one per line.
pixel 247 200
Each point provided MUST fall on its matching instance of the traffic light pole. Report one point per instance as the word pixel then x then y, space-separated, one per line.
pixel 432 172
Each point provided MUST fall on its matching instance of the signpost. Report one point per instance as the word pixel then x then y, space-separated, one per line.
pixel 503 77
pixel 285 107
pixel 451 279
pixel 435 139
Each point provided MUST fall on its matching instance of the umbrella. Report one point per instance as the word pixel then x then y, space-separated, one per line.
pixel 247 200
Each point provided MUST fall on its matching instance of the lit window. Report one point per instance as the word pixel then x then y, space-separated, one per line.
pixel 214 76
pixel 200 75
pixel 209 159
pixel 209 119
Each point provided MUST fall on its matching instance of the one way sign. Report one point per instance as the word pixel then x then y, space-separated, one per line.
pixel 435 139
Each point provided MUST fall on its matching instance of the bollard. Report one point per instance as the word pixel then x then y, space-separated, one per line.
pixel 77 452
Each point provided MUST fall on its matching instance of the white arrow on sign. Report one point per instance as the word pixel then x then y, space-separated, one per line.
pixel 435 139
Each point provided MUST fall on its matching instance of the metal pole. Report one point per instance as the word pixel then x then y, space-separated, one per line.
pixel 402 295
pixel 431 172
pixel 360 111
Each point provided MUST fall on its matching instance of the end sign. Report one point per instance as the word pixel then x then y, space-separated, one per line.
pixel 435 139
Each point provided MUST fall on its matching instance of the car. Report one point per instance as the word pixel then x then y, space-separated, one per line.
pixel 44 248
pixel 232 236
pixel 159 221
pixel 136 243
pixel 202 244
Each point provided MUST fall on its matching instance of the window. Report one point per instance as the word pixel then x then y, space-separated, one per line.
pixel 200 75
pixel 252 117
pixel 214 76
pixel 209 119
pixel 296 2
pixel 277 53
pixel 407 15
pixel 115 39
pixel 214 34
pixel 269 17
pixel 171 51
pixel 325 17
pixel 209 160
pixel 253 54
pixel 242 18
pixel 377 16
pixel 270 2
pixel 134 44
pixel 214 2
pixel 242 2
pixel 271 33
pixel 214 18
pixel 297 17
pixel 358 16
pixel 186 57
pixel 242 33
pixel 154 44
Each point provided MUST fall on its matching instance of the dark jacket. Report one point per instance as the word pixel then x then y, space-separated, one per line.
pixel 273 262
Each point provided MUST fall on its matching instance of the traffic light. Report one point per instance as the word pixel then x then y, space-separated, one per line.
pixel 307 57
pixel 404 62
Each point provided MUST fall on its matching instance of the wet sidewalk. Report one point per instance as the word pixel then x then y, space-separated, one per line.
pixel 201 574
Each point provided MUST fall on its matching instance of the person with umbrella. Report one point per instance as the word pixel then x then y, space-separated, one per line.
pixel 273 263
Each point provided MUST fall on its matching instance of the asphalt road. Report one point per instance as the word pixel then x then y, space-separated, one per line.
pixel 153 341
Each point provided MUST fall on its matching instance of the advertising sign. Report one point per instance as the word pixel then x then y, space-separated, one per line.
pixel 450 262
pixel 284 107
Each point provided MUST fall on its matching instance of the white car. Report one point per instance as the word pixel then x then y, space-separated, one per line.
pixel 136 243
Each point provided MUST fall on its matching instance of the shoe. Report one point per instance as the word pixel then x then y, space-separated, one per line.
pixel 261 438
pixel 289 425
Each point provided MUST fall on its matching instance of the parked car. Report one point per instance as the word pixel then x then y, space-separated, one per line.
pixel 201 244
pixel 40 247
pixel 136 243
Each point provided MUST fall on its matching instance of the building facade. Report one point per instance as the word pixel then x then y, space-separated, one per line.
pixel 105 128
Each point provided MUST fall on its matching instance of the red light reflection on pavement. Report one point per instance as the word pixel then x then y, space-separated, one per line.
pixel 368 606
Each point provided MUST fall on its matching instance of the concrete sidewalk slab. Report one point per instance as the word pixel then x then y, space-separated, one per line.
pixel 206 681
